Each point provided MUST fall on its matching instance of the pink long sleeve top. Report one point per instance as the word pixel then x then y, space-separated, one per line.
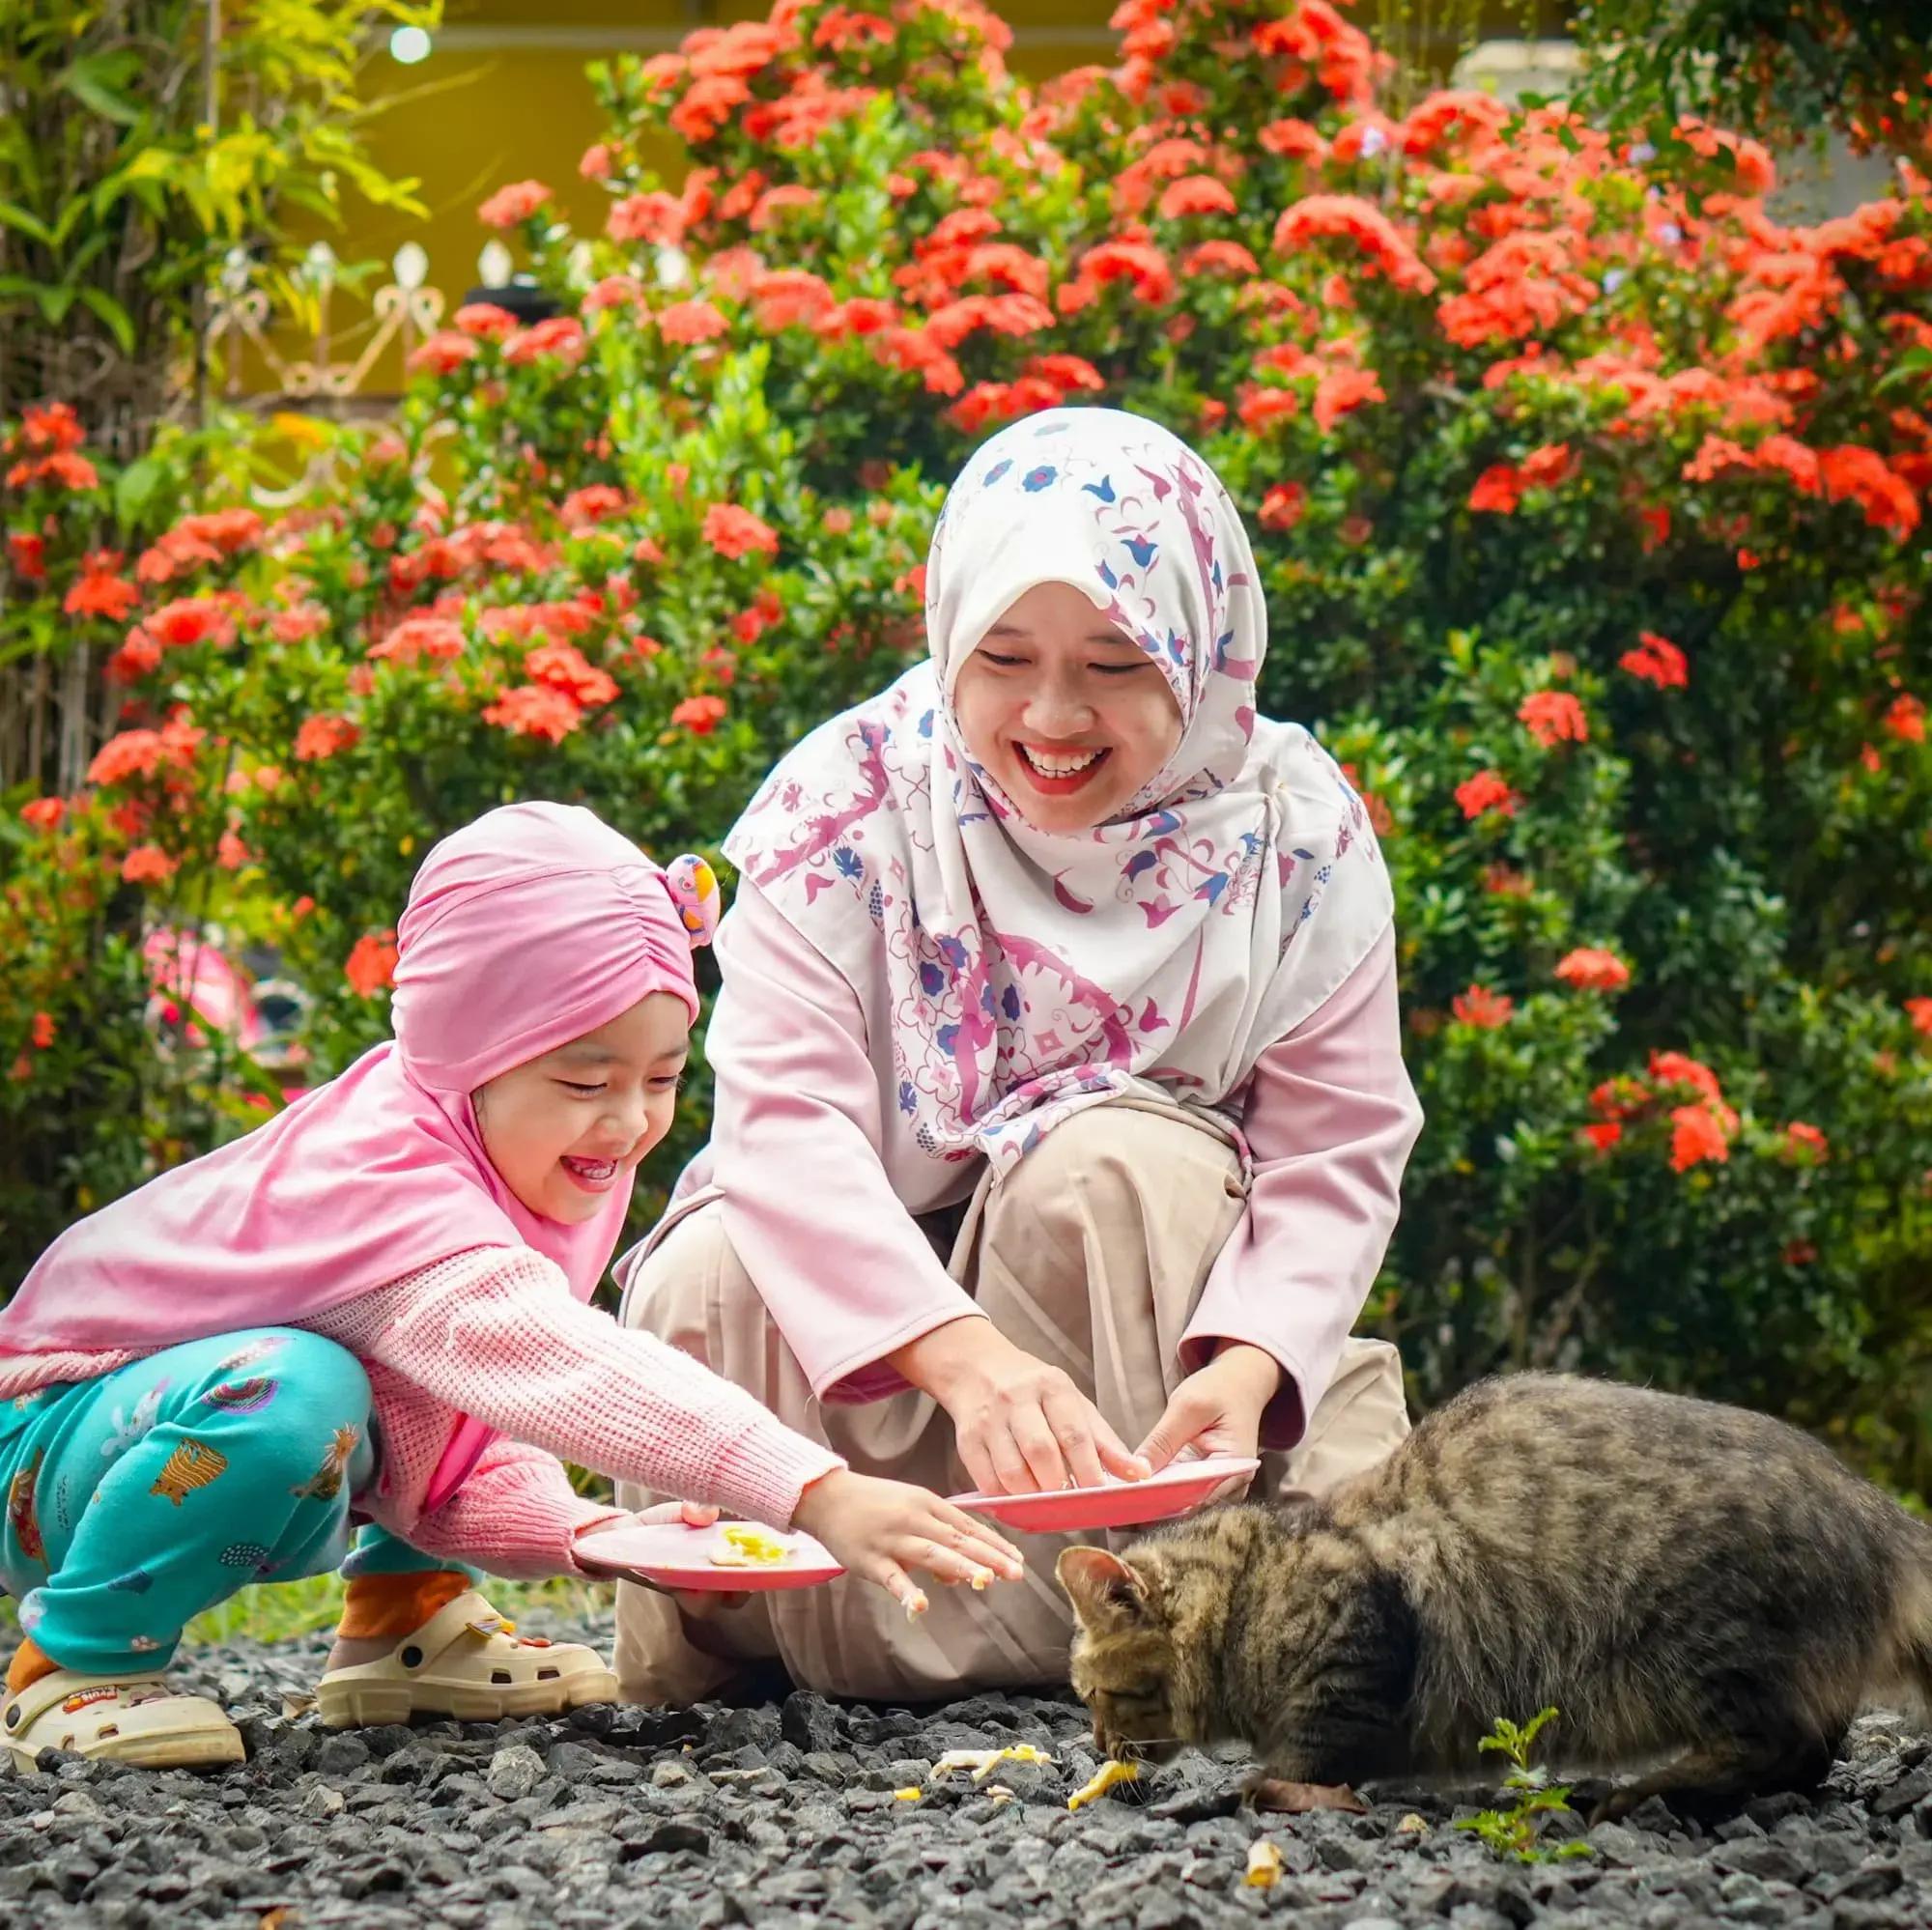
pixel 495 1334
pixel 820 1195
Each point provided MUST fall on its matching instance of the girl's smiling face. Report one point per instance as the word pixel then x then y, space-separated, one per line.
pixel 1070 718
pixel 565 1129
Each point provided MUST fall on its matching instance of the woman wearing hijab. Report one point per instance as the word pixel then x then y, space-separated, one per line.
pixel 1061 1110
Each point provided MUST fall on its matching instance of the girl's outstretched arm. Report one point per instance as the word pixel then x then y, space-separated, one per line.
pixel 495 1333
pixel 516 1513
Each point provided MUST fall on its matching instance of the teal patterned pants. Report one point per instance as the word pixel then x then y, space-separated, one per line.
pixel 137 1499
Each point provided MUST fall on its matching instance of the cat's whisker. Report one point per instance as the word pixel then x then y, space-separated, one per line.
pixel 1136 1750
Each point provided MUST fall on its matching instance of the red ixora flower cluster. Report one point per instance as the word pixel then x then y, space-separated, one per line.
pixel 735 533
pixel 562 688
pixel 46 447
pixel 1487 791
pixel 1658 661
pixel 1553 717
pixel 1591 968
pixel 371 965
pixel 516 202
pixel 1482 1007
pixel 1502 485
pixel 1680 1091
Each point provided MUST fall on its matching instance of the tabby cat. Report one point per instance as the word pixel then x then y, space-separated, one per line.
pixel 1698 1589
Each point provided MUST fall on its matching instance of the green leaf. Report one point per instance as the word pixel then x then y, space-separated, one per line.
pixel 96 82
pixel 18 219
pixel 118 322
pixel 152 165
pixel 134 489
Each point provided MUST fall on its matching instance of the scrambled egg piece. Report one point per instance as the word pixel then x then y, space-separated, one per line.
pixel 1109 1774
pixel 1264 1864
pixel 747 1546
pixel 984 1762
pixel 910 1794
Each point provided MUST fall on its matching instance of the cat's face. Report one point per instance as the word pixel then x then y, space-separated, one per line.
pixel 1124 1664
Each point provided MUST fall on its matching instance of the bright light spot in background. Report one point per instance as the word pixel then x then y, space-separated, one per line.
pixel 409 44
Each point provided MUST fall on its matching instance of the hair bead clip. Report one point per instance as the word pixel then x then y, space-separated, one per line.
pixel 694 888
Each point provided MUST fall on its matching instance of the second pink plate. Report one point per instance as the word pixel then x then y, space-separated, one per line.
pixel 677 1556
pixel 1180 1485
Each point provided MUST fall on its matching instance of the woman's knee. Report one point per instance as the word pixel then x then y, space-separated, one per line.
pixel 1105 1161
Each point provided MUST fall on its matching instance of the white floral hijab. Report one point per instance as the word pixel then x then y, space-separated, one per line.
pixel 1030 974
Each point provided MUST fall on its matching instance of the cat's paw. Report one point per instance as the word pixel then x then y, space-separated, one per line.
pixel 1614 1806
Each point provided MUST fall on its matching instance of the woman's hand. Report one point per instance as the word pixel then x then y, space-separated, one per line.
pixel 1218 1409
pixel 880 1529
pixel 1020 1424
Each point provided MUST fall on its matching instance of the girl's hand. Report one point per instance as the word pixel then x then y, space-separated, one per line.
pixel 1217 1410
pixel 879 1529
pixel 1020 1424
pixel 693 1514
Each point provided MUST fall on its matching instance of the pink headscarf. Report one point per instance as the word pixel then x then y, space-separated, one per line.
pixel 525 930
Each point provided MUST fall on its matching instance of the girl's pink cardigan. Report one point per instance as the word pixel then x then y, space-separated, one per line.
pixel 495 1334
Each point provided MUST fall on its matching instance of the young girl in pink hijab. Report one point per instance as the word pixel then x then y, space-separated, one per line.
pixel 375 1308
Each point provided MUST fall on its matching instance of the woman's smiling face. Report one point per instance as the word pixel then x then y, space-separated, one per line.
pixel 1070 718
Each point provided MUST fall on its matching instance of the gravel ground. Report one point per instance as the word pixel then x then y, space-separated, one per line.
pixel 787 1813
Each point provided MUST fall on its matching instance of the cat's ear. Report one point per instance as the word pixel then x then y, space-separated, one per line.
pixel 1103 1589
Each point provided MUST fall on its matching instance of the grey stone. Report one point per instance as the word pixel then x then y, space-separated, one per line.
pixel 1336 1853
pixel 342 1752
pixel 1616 1844
pixel 829 1766
pixel 1774 1860
pixel 574 1762
pixel 1907 1793
pixel 808 1722
pixel 514 1772
pixel 740 1728
pixel 320 1803
pixel 670 1835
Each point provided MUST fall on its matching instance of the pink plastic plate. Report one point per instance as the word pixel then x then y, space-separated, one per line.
pixel 1180 1485
pixel 675 1556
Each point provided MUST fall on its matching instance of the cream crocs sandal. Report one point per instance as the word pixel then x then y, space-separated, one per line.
pixel 469 1662
pixel 117 1718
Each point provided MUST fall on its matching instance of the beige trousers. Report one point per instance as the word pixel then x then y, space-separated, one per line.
pixel 1091 1254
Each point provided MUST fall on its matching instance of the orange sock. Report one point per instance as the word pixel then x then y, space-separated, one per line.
pixel 397 1605
pixel 30 1663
